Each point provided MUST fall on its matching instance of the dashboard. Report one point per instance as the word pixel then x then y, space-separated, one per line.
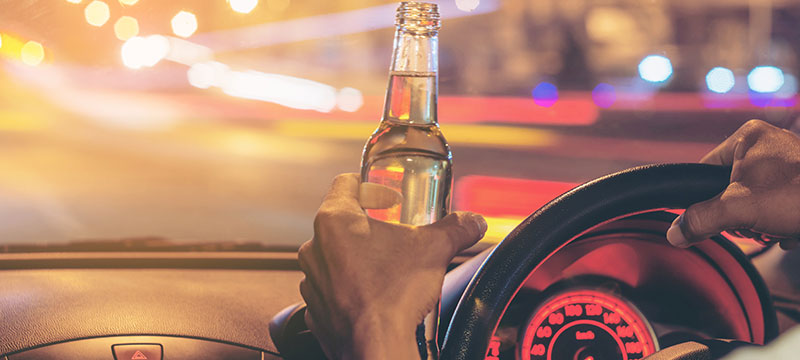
pixel 621 291
pixel 585 324
pixel 618 292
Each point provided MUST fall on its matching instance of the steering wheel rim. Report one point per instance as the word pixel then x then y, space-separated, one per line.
pixel 553 226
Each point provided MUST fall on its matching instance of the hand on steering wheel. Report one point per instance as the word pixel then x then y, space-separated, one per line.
pixel 762 200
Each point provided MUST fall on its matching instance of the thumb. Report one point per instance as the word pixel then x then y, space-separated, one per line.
pixel 461 229
pixel 377 196
pixel 726 211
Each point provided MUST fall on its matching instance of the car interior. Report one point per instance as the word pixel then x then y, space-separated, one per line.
pixel 162 162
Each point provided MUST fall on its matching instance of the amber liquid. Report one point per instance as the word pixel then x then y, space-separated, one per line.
pixel 409 153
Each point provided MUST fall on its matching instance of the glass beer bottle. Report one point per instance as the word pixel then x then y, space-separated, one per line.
pixel 408 151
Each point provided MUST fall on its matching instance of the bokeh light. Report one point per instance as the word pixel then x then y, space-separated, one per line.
pixel 720 80
pixel 32 53
pixel 789 88
pixel 467 5
pixel 74 1
pixel 285 90
pixel 765 79
pixel 126 27
pixel 604 95
pixel 128 2
pixel 206 74
pixel 97 13
pixel 349 99
pixel 138 52
pixel 243 6
pixel 545 94
pixel 1 41
pixel 655 68
pixel 200 75
pixel 184 24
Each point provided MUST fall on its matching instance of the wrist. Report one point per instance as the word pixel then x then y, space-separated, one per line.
pixel 382 337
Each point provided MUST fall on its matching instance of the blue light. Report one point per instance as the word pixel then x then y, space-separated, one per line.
pixel 720 80
pixel 604 95
pixel 765 79
pixel 545 94
pixel 789 88
pixel 655 68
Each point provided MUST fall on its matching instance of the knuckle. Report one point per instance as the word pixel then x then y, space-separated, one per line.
pixel 456 235
pixel 304 256
pixel 340 177
pixel 324 216
pixel 304 249
pixel 460 229
pixel 755 126
pixel 344 177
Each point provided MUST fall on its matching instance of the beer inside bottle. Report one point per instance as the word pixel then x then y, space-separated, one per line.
pixel 408 151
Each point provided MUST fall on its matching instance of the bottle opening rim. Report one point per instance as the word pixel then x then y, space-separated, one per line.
pixel 418 17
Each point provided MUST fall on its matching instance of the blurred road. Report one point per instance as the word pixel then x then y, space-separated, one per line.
pixel 211 177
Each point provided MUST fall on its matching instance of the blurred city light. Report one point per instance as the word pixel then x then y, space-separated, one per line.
pixel 126 27
pixel 720 80
pixel 784 97
pixel 133 52
pixel 32 53
pixel 545 94
pixel 604 95
pixel 207 74
pixel 765 79
pixel 157 49
pixel 611 25
pixel 280 89
pixel 789 88
pixel 186 52
pixel 128 2
pixel 349 99
pixel 184 24
pixel 243 6
pixel 97 13
pixel 74 1
pixel 1 41
pixel 467 5
pixel 138 52
pixel 655 68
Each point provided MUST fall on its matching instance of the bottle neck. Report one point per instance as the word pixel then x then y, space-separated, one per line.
pixel 413 79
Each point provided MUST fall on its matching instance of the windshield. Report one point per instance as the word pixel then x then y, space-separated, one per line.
pixel 219 121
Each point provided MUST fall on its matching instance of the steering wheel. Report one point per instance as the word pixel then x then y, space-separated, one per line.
pixel 632 191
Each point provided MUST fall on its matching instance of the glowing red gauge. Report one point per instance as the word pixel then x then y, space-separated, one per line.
pixel 587 325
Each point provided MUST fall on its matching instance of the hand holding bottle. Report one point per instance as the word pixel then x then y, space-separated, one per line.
pixel 368 282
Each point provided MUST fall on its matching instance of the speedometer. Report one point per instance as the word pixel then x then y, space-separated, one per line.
pixel 587 324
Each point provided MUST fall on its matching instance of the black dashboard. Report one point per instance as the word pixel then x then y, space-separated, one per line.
pixel 69 311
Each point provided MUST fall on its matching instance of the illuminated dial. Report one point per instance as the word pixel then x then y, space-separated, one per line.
pixel 587 325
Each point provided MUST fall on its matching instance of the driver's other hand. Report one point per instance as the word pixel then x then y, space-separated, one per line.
pixel 764 192
pixel 369 283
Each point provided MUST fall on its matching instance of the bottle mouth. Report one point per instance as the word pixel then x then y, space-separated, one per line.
pixel 418 18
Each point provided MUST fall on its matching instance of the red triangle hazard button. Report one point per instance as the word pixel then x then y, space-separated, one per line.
pixel 137 351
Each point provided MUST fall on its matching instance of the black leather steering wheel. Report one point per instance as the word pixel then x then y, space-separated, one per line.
pixel 624 193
